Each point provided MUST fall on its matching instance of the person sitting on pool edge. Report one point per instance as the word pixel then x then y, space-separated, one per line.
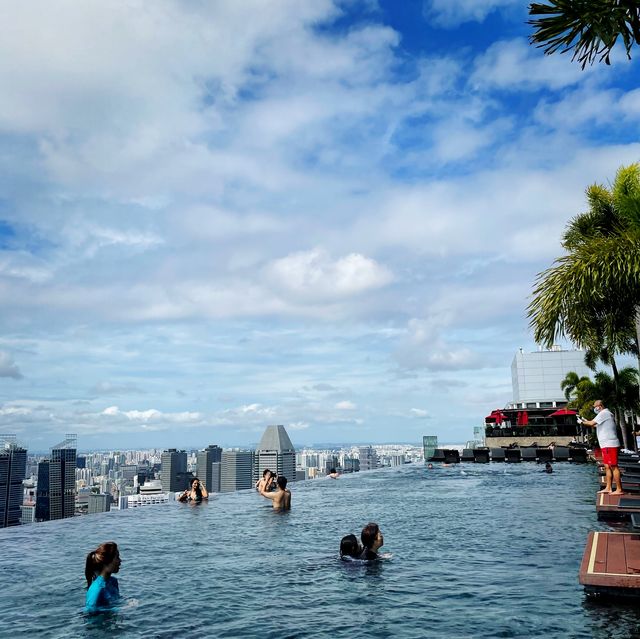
pixel 349 547
pixel 372 540
pixel 281 498
pixel 333 474
pixel 103 590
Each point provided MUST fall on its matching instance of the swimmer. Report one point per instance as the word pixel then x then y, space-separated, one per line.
pixel 196 493
pixel 333 474
pixel 281 498
pixel 349 547
pixel 429 466
pixel 548 468
pixel 103 590
pixel 266 483
pixel 372 540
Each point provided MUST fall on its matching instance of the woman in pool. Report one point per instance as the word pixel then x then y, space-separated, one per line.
pixel 349 547
pixel 372 540
pixel 196 493
pixel 103 591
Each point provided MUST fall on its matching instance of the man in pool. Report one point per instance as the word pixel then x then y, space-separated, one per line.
pixel 333 474
pixel 605 427
pixel 281 498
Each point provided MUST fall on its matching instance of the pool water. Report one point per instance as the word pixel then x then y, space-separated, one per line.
pixel 476 551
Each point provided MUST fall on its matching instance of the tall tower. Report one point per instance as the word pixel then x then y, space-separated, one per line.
pixel 205 470
pixel 173 471
pixel 236 470
pixel 276 452
pixel 62 478
pixel 42 492
pixel 13 464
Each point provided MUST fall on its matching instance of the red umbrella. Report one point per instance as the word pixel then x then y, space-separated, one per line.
pixel 524 420
pixel 561 412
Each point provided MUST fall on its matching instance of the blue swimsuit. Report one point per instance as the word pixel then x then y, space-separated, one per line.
pixel 102 594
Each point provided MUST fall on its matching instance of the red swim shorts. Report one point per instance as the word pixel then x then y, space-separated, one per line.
pixel 610 456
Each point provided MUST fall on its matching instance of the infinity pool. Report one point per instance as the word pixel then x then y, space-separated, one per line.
pixel 476 551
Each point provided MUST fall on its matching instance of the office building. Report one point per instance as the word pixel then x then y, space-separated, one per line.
pixel 81 462
pixel 62 478
pixel 216 477
pixel 536 377
pixel 236 470
pixel 42 492
pixel 28 513
pixel 204 467
pixel 13 465
pixel 173 471
pixel 368 458
pixel 99 503
pixel 276 452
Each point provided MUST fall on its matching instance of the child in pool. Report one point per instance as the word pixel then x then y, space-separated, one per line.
pixel 103 591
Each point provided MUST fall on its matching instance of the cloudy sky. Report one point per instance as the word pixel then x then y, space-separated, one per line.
pixel 220 215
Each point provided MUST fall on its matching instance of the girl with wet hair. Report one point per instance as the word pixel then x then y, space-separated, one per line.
pixel 103 590
pixel 372 540
pixel 349 547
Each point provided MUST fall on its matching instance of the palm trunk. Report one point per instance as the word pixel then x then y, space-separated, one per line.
pixel 619 410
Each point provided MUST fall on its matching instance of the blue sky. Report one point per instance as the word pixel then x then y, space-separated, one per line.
pixel 218 216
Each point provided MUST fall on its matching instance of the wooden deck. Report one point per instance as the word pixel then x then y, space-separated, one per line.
pixel 617 506
pixel 611 564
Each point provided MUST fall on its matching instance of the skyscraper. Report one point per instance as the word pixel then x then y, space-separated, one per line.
pixel 173 472
pixel 236 471
pixel 368 458
pixel 204 469
pixel 42 492
pixel 276 452
pixel 13 464
pixel 99 503
pixel 62 478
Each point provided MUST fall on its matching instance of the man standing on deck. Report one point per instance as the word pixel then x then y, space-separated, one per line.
pixel 605 427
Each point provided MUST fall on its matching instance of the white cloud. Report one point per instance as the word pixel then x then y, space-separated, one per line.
pixel 450 13
pixel 346 405
pixel 8 368
pixel 419 413
pixel 313 275
pixel 514 65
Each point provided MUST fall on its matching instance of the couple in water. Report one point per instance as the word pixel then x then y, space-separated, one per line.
pixel 372 541
pixel 281 496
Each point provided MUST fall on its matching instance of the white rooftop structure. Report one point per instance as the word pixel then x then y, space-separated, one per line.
pixel 536 377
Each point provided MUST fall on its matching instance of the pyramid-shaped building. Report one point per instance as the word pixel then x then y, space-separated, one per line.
pixel 276 452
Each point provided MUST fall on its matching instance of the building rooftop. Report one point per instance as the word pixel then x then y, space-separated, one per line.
pixel 275 438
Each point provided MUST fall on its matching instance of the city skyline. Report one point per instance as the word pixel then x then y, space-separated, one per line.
pixel 332 222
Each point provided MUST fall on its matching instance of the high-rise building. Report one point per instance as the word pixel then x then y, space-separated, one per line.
pixel 204 466
pixel 28 513
pixel 42 492
pixel 13 464
pixel 62 478
pixel 173 472
pixel 81 462
pixel 216 477
pixel 276 452
pixel 368 458
pixel 236 470
pixel 99 503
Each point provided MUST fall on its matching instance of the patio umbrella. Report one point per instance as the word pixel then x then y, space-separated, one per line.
pixel 524 420
pixel 561 412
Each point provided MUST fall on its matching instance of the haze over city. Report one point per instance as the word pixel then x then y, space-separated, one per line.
pixel 327 215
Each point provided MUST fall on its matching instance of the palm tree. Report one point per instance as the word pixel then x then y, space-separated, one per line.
pixel 592 294
pixel 570 383
pixel 589 28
